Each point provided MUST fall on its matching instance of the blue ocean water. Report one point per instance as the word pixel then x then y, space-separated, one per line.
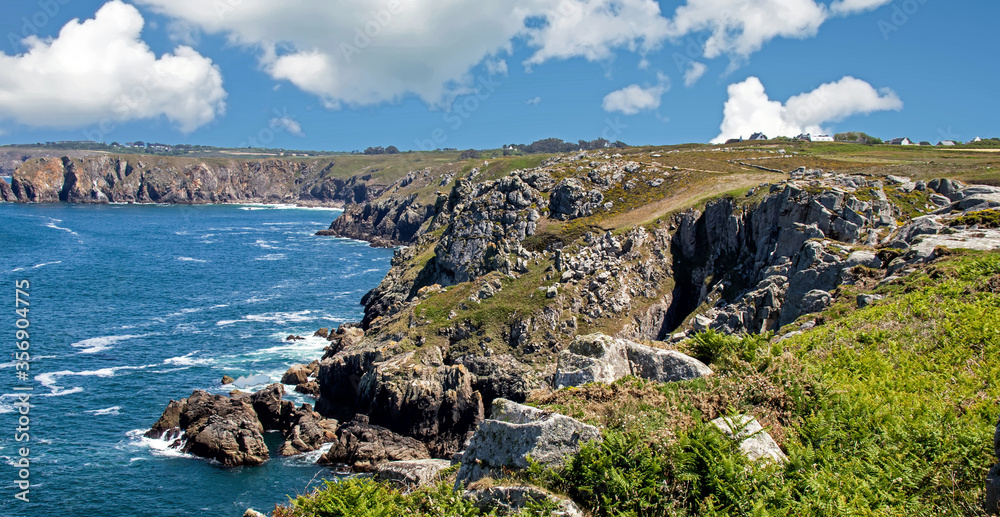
pixel 132 306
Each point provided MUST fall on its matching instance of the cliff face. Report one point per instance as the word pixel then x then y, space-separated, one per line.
pixel 117 179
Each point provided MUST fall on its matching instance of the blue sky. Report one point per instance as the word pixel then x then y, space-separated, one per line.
pixel 345 75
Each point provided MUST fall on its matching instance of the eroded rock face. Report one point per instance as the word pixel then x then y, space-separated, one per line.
pixel 384 222
pixel 363 446
pixel 6 194
pixel 308 431
pixel 513 433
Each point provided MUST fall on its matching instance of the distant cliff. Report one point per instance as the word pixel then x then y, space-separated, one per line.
pixel 148 179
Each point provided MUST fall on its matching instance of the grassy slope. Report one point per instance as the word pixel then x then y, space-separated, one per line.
pixel 888 410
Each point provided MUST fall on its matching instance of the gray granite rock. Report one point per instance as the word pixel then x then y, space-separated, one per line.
pixel 755 443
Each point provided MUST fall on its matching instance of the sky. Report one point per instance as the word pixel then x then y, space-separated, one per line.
pixel 343 75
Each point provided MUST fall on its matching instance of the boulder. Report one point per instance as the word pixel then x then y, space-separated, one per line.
pixel 253 513
pixel 363 446
pixel 227 380
pixel 233 441
pixel 507 500
pixel 411 474
pixel 755 443
pixel 592 358
pixel 297 374
pixel 274 413
pixel 664 365
pixel 571 200
pixel 310 388
pixel 515 432
pixel 308 432
pixel 216 427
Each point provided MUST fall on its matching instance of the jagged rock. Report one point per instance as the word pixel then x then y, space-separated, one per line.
pixel 571 200
pixel 363 446
pixel 411 474
pixel 308 431
pixel 294 338
pixel 754 441
pixel 323 333
pixel 815 301
pixel 592 358
pixel 436 405
pixel 385 222
pixel 310 388
pixel 499 376
pixel 227 380
pixel 6 193
pixel 297 374
pixel 216 427
pixel 515 432
pixel 507 500
pixel 273 412
pixel 233 441
pixel 664 365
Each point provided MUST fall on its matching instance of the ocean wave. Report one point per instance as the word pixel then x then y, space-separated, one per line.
pixel 36 266
pixel 267 245
pixel 273 257
pixel 52 224
pixel 50 379
pixel 189 259
pixel 281 318
pixel 156 446
pixel 186 360
pixel 100 344
pixel 113 410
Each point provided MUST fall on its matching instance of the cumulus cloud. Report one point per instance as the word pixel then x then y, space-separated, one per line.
pixel 844 7
pixel 534 101
pixel 286 123
pixel 741 27
pixel 99 71
pixel 750 110
pixel 633 98
pixel 694 72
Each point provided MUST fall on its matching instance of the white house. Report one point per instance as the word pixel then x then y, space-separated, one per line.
pixel 901 141
pixel 947 142
pixel 977 139
pixel 758 136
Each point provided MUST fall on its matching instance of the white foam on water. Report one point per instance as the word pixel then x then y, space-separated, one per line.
pixel 273 257
pixel 186 360
pixel 249 381
pixel 189 259
pixel 106 411
pixel 50 379
pixel 267 245
pixel 52 224
pixel 100 344
pixel 156 446
pixel 280 318
pixel 36 266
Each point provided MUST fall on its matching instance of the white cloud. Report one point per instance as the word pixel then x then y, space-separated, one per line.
pixel 749 109
pixel 99 71
pixel 694 72
pixel 741 27
pixel 633 98
pixel 845 7
pixel 496 66
pixel 534 101
pixel 286 123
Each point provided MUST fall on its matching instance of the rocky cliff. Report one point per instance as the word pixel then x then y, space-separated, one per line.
pixel 149 179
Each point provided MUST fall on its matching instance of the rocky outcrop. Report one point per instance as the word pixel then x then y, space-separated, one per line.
pixel 570 199
pixel 755 443
pixel 411 474
pixel 515 432
pixel 386 222
pixel 362 446
pixel 601 358
pixel 216 427
pixel 509 500
pixel 6 194
pixel 307 431
pixel 152 179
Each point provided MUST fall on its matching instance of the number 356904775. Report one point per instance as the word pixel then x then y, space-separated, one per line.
pixel 21 305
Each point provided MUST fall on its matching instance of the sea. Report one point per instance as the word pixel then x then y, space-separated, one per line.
pixel 134 305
